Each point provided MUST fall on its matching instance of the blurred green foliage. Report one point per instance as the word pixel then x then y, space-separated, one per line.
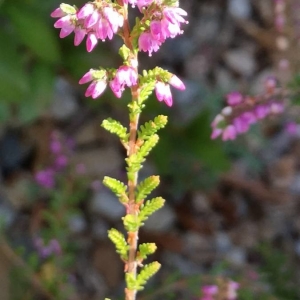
pixel 32 55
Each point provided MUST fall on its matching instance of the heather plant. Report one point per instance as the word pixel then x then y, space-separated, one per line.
pixel 279 91
pixel 158 21
pixel 61 188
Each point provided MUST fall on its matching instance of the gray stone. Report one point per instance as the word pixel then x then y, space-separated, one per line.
pixel 162 220
pixel 236 256
pixel 241 60
pixel 240 9
pixel 77 223
pixel 64 103
pixel 105 203
pixel 222 242
pixel 99 229
pixel 181 264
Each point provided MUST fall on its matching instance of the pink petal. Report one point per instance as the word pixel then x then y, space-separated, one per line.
pixel 79 35
pixel 88 76
pixel 57 13
pixel 177 83
pixel 91 42
pixel 99 88
pixel 63 22
pixel 65 31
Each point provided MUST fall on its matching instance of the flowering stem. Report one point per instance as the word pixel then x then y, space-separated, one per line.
pixel 100 20
pixel 132 183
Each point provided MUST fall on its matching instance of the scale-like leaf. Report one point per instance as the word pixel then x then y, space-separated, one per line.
pixel 146 187
pixel 149 208
pixel 119 240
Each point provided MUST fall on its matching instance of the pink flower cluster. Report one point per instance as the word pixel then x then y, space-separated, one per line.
pixel 53 248
pixel 243 111
pixel 46 177
pixel 97 21
pixel 126 76
pixel 165 23
pixel 210 291
pixel 163 91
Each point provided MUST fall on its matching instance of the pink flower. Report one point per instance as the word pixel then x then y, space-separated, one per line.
pixel 241 125
pixel 143 3
pixel 92 19
pixel 163 93
pixel 216 132
pixel 229 133
pixel 177 83
pixel 85 11
pixel 148 44
pixel 276 108
pixel 87 77
pixel 91 41
pixel 96 88
pixel 57 13
pixel 60 162
pixel 209 291
pixel 172 17
pixel 79 35
pixel 114 19
pixel 45 178
pixel 55 146
pixel 234 98
pixel 98 85
pixel 261 111
pixel 66 24
pixel 125 75
pixel 291 128
pixel 232 290
pixel 270 84
pixel 156 31
pixel 104 30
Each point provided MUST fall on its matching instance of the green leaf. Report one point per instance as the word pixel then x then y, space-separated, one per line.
pixel 119 240
pixel 151 127
pixel 146 249
pixel 146 91
pixel 135 161
pixel 131 223
pixel 134 109
pixel 130 281
pixel 34 32
pixel 115 127
pixel 146 273
pixel 124 52
pixel 149 208
pixel 146 187
pixel 148 145
pixel 117 187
